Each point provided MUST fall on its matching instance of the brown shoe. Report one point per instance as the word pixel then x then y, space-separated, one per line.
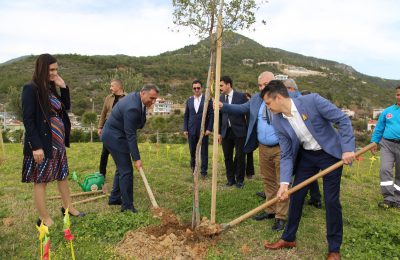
pixel 279 245
pixel 333 256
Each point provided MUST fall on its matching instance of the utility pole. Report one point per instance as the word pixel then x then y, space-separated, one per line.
pixel 91 123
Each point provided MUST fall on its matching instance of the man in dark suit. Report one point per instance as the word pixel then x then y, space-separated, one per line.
pixel 119 137
pixel 308 139
pixel 232 134
pixel 192 125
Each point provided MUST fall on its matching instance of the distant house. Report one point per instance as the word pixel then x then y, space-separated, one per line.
pixel 248 62
pixel 162 107
pixel 348 112
pixel 376 112
pixel 75 124
pixel 371 125
pixel 281 77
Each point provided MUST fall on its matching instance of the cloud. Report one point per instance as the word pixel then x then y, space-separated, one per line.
pixel 363 34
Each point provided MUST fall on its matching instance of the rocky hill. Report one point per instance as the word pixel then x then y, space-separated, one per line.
pixel 242 59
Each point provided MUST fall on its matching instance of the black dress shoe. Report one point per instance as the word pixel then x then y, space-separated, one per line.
pixel 133 210
pixel 39 222
pixel 116 202
pixel 261 194
pixel 316 204
pixel 278 225
pixel 81 214
pixel 263 215
pixel 239 185
pixel 229 184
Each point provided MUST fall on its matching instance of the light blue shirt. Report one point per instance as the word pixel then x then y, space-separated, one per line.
pixel 265 133
pixel 388 125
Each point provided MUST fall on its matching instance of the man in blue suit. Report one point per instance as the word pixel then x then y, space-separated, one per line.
pixel 192 125
pixel 232 133
pixel 310 143
pixel 261 134
pixel 119 137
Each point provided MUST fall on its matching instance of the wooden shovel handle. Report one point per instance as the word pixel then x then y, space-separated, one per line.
pixel 295 188
pixel 148 189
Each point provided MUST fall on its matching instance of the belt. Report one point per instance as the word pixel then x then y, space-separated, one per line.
pixel 393 140
pixel 270 146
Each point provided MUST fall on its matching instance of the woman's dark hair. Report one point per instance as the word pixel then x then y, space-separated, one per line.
pixel 41 80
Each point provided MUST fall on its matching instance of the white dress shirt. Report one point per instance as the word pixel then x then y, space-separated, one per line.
pixel 301 130
pixel 196 102
pixel 230 96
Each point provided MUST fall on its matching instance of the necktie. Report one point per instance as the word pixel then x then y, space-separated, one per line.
pixel 227 99
pixel 267 115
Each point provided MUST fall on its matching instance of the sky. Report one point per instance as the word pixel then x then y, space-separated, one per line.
pixel 364 34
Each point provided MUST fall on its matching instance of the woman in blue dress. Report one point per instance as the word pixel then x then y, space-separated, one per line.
pixel 47 131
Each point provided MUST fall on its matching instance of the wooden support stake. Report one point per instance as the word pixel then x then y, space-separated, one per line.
pixel 294 189
pixel 77 194
pixel 89 199
pixel 216 117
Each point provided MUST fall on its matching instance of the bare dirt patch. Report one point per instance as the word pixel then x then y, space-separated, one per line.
pixel 170 240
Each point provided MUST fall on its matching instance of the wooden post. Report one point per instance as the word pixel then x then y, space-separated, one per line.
pixel 216 117
pixel 148 189
pixel 77 194
pixel 90 199
pixel 295 188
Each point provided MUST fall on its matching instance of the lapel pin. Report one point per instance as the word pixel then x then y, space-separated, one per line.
pixel 304 116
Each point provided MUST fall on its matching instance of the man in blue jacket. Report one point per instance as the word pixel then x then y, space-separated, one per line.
pixel 119 137
pixel 310 143
pixel 387 134
pixel 261 134
pixel 192 124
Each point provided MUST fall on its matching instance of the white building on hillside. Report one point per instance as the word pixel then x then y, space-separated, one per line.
pixel 376 112
pixel 162 107
pixel 281 77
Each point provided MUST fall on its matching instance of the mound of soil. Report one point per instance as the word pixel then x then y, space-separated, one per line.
pixel 170 240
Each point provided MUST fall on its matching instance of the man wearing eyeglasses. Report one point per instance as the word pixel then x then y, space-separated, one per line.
pixel 192 124
pixel 261 134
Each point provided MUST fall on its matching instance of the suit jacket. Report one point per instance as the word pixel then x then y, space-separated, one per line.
pixel 107 107
pixel 238 123
pixel 119 132
pixel 192 120
pixel 37 124
pixel 319 115
pixel 251 109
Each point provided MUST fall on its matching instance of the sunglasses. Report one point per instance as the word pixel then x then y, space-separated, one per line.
pixel 196 88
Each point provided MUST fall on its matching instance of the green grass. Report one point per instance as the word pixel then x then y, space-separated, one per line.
pixel 369 232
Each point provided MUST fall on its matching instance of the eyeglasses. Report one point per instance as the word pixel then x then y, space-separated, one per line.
pixel 196 88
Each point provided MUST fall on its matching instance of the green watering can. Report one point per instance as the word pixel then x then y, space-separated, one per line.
pixel 92 182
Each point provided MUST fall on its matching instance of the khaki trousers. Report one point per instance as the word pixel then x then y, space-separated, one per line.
pixel 270 173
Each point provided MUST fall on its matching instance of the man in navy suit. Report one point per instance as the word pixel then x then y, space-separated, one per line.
pixel 119 137
pixel 232 134
pixel 192 125
pixel 310 143
pixel 261 134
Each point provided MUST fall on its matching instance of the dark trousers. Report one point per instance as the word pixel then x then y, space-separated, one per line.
pixel 193 139
pixel 249 164
pixel 310 163
pixel 103 160
pixel 122 189
pixel 249 160
pixel 315 194
pixel 230 143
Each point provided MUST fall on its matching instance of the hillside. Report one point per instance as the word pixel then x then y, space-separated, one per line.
pixel 242 58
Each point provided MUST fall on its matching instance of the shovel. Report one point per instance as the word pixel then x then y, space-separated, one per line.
pixel 294 189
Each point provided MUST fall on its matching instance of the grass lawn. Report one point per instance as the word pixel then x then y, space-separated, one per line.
pixel 369 232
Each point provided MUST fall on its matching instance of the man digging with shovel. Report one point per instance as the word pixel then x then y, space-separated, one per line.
pixel 309 143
